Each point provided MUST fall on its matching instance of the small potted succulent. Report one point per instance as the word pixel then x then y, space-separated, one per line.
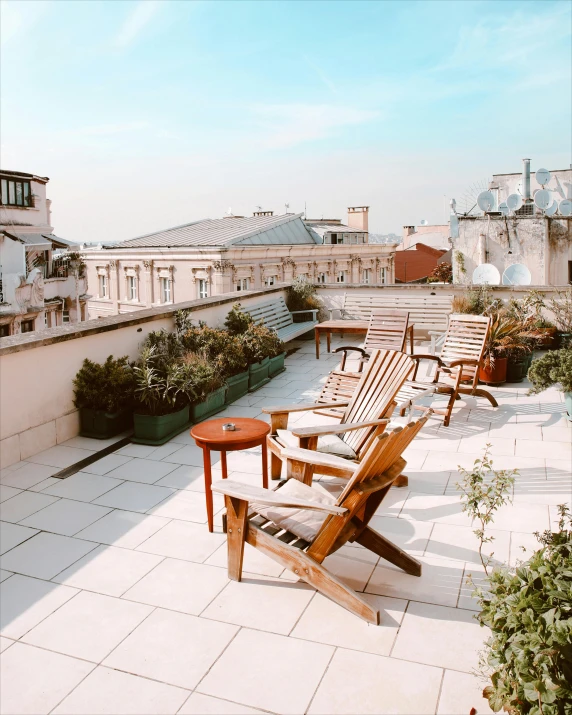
pixel 554 368
pixel 103 393
pixel 206 386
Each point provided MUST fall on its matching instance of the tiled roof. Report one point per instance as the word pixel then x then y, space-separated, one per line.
pixel 246 231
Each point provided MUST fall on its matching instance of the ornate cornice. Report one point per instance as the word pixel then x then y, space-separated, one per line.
pixel 223 265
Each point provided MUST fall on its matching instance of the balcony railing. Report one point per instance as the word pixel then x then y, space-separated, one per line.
pixel 60 268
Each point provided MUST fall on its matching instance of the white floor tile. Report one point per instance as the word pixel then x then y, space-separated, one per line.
pixel 65 517
pixel 412 536
pixel 24 602
pixel 106 464
pixel 183 540
pixel 174 648
pixel 40 486
pixel 134 497
pixel 163 451
pixel 8 492
pixel 11 535
pixel 187 505
pixel 24 504
pixel 28 475
pixel 4 575
pixel 199 704
pixel 88 626
pixel 60 456
pixel 45 555
pixel 145 471
pixel 188 477
pixel 126 529
pixel 283 680
pixel 459 543
pixel 91 443
pixel 110 692
pixel 352 566
pixel 108 570
pixel 543 448
pixel 35 680
pixel 462 692
pixel 190 455
pixel 5 643
pixel 254 561
pixel 180 586
pixel 82 486
pixel 136 450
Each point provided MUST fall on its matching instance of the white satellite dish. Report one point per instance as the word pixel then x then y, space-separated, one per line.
pixel 486 274
pixel 486 201
pixel 565 207
pixel 552 209
pixel 514 202
pixel 542 199
pixel 543 176
pixel 516 275
pixel 504 209
pixel 424 222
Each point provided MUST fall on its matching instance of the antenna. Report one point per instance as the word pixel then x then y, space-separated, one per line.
pixel 468 201
pixel 286 206
pixel 486 274
pixel 516 275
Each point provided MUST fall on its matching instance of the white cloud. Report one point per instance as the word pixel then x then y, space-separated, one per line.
pixel 141 15
pixel 17 17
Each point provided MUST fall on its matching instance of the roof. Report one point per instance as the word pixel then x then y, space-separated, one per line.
pixel 23 175
pixel 232 230
pixel 425 248
pixel 40 239
pixel 322 228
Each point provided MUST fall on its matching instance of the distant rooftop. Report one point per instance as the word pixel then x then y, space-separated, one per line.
pixel 23 175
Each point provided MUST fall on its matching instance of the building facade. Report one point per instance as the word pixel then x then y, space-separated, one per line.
pixel 42 281
pixel 235 253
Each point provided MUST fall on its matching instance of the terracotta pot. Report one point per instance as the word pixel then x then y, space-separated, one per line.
pixel 494 374
pixel 550 339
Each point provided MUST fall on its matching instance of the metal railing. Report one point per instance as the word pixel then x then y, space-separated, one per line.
pixel 60 268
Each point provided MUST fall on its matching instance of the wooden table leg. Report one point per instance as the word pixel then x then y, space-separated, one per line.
pixel 223 464
pixel 411 339
pixel 264 464
pixel 329 340
pixel 317 338
pixel 208 482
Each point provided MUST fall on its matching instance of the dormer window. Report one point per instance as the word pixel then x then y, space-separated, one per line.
pixel 15 193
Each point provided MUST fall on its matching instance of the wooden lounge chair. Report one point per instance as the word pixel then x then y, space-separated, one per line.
pixel 370 406
pixel 388 330
pixel 299 525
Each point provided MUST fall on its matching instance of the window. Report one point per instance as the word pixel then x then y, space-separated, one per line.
pixel 203 288
pixel 131 288
pixel 337 238
pixel 382 275
pixel 5 330
pixel 341 277
pixel 243 284
pixel 366 275
pixel 103 287
pixel 65 316
pixel 165 290
pixel 46 321
pixel 27 326
pixel 15 193
pixel 270 280
pixel 570 272
pixel 321 278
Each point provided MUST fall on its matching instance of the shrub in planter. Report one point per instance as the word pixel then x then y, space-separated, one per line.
pixel 554 368
pixel 237 321
pixel 224 350
pixel 529 611
pixel 506 336
pixel 103 393
pixel 258 343
pixel 205 385
pixel 302 295
pixel 277 355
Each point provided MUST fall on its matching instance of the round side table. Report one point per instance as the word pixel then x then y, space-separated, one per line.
pixel 210 436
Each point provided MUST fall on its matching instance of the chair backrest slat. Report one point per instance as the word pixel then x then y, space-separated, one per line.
pixel 465 339
pixel 387 329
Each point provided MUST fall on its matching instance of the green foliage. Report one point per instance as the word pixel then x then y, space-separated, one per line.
pixel 202 376
pixel 529 611
pixel 161 387
pixel 553 368
pixel 220 347
pixel 237 321
pixel 561 307
pixel 302 295
pixel 484 491
pixel 107 387
pixel 259 342
pixel 460 261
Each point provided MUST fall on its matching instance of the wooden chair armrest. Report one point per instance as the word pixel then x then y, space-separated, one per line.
pixel 464 361
pixel 427 357
pixel 334 429
pixel 305 407
pixel 319 459
pixel 347 348
pixel 258 495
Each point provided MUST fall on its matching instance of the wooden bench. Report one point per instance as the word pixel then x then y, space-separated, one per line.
pixel 427 313
pixel 274 314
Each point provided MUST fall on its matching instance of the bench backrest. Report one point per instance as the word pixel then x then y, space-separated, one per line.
pixel 387 329
pixel 272 314
pixel 424 311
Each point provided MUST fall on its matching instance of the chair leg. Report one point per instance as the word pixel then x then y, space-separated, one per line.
pixel 479 392
pixel 401 481
pixel 236 531
pixel 275 466
pixel 381 546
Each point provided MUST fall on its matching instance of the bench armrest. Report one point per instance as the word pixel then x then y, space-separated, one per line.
pixel 268 497
pixel 308 310
pixel 304 407
pixel 334 429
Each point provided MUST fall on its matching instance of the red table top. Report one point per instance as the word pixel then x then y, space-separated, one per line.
pixel 247 430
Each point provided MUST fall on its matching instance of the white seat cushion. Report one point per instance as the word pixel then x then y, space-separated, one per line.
pixel 328 444
pixel 305 523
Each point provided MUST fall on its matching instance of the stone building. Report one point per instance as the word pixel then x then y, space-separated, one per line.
pixel 235 253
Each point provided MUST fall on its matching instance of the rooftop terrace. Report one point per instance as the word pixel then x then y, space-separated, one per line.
pixel 115 597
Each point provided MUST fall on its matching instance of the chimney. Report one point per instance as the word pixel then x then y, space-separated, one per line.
pixel 358 217
pixel 263 213
pixel 526 180
pixel 408 230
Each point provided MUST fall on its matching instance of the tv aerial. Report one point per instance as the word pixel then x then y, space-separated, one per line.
pixel 486 274
pixel 543 177
pixel 486 201
pixel 566 207
pixel 516 275
pixel 542 199
pixel 514 202
pixel 468 201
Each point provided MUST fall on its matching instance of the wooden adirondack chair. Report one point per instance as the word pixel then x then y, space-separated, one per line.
pixel 370 406
pixel 388 330
pixel 299 525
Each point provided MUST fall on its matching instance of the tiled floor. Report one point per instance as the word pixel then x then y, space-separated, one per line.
pixel 115 599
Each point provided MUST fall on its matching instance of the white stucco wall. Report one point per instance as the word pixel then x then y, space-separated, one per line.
pixel 37 215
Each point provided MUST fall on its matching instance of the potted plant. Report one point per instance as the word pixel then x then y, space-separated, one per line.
pixel 554 368
pixel 277 355
pixel 302 295
pixel 561 308
pixel 103 393
pixel 256 343
pixel 205 386
pixel 505 337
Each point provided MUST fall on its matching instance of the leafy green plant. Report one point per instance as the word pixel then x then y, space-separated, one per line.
pixel 554 368
pixel 107 387
pixel 237 321
pixel 302 295
pixel 460 261
pixel 477 301
pixel 507 338
pixel 161 387
pixel 528 657
pixel 202 377
pixel 220 347
pixel 259 342
pixel 484 491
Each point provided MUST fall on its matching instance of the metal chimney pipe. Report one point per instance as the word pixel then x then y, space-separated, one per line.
pixel 526 179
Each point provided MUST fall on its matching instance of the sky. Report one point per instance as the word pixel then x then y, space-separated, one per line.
pixel 154 113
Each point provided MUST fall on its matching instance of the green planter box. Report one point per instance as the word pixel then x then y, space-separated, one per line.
pixel 102 425
pixel 158 430
pixel 236 386
pixel 516 370
pixel 213 404
pixel 258 374
pixel 276 365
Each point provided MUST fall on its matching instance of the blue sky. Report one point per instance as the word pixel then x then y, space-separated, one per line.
pixel 150 113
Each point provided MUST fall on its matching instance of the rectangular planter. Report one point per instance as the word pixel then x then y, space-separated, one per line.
pixel 102 425
pixel 158 430
pixel 258 374
pixel 236 386
pixel 516 370
pixel 213 404
pixel 276 365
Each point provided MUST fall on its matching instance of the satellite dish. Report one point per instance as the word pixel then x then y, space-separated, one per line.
pixel 514 202
pixel 542 199
pixel 566 207
pixel 504 209
pixel 516 275
pixel 543 177
pixel 552 209
pixel 486 274
pixel 424 222
pixel 486 201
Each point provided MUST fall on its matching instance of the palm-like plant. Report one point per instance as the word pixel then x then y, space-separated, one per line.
pixel 507 336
